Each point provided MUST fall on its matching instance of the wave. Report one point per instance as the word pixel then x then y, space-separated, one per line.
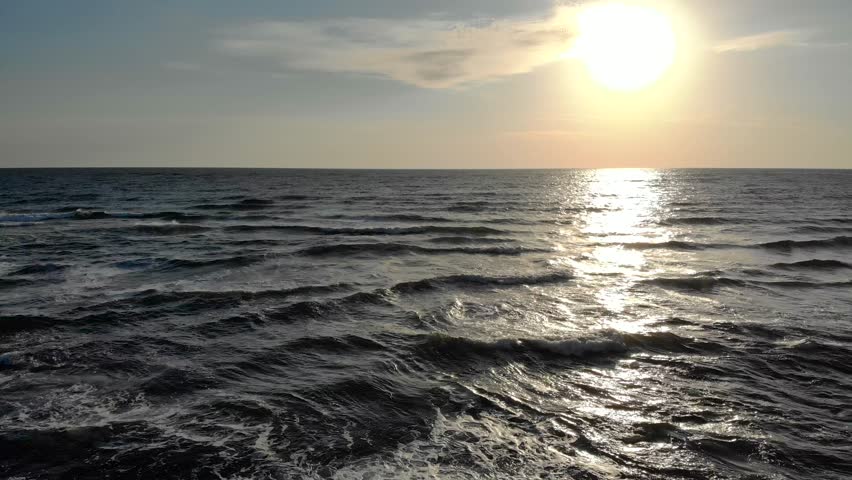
pixel 302 310
pixel 676 321
pixel 447 345
pixel 841 241
pixel 298 311
pixel 90 215
pixel 479 206
pixel 38 269
pixel 84 197
pixel 701 221
pixel 73 209
pixel 668 342
pixel 232 262
pixel 256 201
pixel 212 206
pixel 747 329
pixel 814 346
pixel 465 207
pixel 814 264
pixel 329 344
pixel 608 343
pixel 479 280
pixel 33 217
pixel 462 240
pixel 14 283
pixel 840 220
pixel 81 213
pixel 804 284
pixel 521 221
pixel 247 204
pixel 708 284
pixel 16 224
pixel 138 263
pixel 11 324
pixel 216 298
pixel 400 217
pixel 173 382
pixel 175 216
pixel 421 230
pixel 62 214
pixel 164 264
pixel 399 248
pixel 695 283
pixel 296 197
pixel 169 229
pixel 821 229
pixel 255 242
pixel 316 308
pixel 669 245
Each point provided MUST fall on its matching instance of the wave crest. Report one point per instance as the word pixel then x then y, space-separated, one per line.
pixel 399 248
pixel 815 264
pixel 695 283
pixel 578 347
pixel 841 241
pixel 480 280
pixel 378 231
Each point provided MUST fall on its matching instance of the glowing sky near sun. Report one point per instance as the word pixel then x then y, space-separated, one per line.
pixel 415 84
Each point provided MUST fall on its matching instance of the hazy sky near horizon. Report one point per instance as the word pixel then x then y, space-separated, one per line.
pixel 415 84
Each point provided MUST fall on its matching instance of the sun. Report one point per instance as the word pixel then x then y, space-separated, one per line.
pixel 624 47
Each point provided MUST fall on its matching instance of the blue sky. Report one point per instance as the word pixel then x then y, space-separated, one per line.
pixel 413 84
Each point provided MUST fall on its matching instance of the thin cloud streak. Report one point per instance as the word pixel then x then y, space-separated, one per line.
pixel 426 53
pixel 761 41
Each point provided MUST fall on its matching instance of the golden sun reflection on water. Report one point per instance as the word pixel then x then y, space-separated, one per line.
pixel 619 203
pixel 623 208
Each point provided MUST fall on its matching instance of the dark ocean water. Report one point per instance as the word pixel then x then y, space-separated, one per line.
pixel 637 324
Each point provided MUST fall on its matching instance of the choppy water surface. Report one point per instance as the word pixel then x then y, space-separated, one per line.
pixel 530 324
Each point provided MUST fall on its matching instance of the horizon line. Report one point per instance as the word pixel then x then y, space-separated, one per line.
pixel 402 169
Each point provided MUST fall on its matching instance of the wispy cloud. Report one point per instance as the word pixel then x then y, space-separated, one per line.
pixel 429 53
pixel 760 41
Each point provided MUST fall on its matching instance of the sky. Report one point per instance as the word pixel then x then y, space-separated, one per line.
pixel 415 84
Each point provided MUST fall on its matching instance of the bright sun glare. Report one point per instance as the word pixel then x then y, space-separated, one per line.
pixel 624 47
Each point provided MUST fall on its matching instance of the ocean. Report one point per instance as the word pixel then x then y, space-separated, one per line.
pixel 564 324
